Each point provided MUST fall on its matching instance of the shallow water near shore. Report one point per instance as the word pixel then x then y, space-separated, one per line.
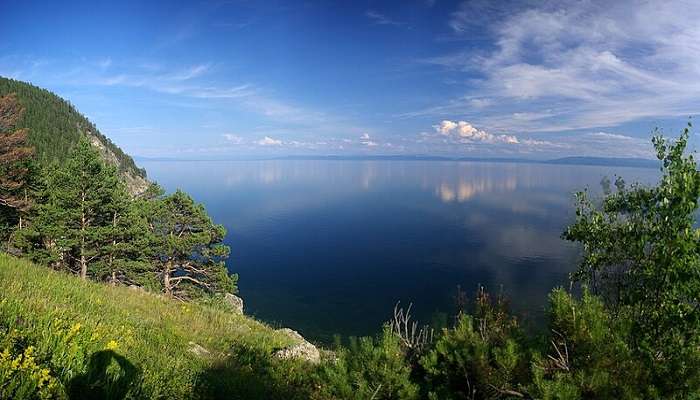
pixel 329 247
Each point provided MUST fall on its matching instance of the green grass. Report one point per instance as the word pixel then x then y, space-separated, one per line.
pixel 87 333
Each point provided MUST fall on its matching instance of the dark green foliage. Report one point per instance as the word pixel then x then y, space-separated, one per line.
pixel 642 254
pixel 86 222
pixel 634 334
pixel 369 369
pixel 55 126
pixel 76 224
pixel 187 247
pixel 481 357
pixel 586 354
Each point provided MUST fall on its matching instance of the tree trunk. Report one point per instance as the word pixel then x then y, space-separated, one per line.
pixel 83 263
pixel 83 260
pixel 114 246
pixel 24 207
pixel 166 279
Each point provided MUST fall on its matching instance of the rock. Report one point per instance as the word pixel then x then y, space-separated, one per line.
pixel 301 351
pixel 234 301
pixel 291 333
pixel 198 350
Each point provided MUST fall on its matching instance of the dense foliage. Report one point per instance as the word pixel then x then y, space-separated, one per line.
pixel 55 126
pixel 84 221
pixel 15 161
pixel 634 331
pixel 642 254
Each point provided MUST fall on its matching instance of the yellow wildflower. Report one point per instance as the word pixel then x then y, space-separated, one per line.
pixel 112 345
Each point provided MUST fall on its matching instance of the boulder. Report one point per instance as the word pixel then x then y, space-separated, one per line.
pixel 198 350
pixel 235 302
pixel 301 351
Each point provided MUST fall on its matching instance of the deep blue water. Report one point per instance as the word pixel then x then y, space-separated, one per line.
pixel 329 247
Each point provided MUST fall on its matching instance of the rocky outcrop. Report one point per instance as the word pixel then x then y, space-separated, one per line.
pixel 235 302
pixel 303 350
pixel 135 184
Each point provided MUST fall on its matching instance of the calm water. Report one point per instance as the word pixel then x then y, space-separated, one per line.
pixel 330 246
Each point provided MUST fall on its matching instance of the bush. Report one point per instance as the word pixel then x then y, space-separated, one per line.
pixel 368 369
pixel 481 357
pixel 587 356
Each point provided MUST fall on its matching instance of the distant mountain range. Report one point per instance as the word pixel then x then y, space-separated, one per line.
pixel 596 161
pixel 617 162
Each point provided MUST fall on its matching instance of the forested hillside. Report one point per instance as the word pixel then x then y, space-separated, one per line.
pixel 151 310
pixel 55 126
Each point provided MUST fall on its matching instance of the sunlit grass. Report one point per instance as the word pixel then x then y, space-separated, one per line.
pixel 68 320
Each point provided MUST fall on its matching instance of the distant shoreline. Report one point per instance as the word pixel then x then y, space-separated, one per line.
pixel 588 161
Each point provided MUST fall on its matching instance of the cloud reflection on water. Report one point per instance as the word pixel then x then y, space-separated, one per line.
pixel 330 246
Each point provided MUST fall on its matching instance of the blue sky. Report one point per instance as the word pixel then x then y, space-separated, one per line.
pixel 227 79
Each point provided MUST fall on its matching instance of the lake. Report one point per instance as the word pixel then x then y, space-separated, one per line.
pixel 329 247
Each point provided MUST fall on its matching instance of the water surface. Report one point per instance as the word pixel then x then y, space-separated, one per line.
pixel 329 247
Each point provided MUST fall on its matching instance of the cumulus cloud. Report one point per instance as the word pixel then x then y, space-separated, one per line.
pixel 268 141
pixel 366 141
pixel 466 131
pixel 446 127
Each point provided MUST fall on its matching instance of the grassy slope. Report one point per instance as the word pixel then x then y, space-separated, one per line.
pixel 151 332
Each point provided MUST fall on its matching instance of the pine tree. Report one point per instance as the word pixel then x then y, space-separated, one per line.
pixel 76 221
pixel 187 247
pixel 125 240
pixel 15 159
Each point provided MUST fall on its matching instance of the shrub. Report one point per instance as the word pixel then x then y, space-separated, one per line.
pixel 587 356
pixel 481 357
pixel 641 254
pixel 368 369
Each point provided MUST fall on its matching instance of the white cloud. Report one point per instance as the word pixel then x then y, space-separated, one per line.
pixel 575 65
pixel 480 103
pixel 234 139
pixel 612 136
pixel 381 19
pixel 192 72
pixel 446 127
pixel 268 141
pixel 366 141
pixel 468 133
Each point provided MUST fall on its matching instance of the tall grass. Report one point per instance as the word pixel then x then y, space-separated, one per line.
pixel 116 342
